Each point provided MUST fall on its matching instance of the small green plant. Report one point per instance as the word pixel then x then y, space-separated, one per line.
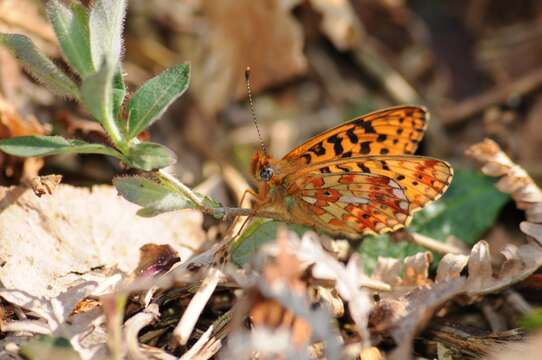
pixel 91 43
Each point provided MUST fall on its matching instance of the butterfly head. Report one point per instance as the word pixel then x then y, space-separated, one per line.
pixel 261 168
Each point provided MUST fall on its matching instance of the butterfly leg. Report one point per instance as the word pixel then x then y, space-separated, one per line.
pixel 247 191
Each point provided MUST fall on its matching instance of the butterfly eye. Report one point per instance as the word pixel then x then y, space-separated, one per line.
pixel 266 174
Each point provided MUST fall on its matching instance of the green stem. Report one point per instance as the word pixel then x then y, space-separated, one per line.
pixel 110 126
pixel 218 212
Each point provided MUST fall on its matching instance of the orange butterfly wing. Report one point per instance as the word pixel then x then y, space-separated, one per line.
pixel 372 194
pixel 392 131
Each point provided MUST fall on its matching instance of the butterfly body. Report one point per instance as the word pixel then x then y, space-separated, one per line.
pixel 357 178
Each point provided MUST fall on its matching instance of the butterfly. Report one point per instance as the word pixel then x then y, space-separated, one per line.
pixel 358 178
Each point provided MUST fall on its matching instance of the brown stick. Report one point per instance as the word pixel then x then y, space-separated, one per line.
pixel 463 110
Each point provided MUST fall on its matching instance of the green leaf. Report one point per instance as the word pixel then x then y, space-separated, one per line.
pixel 71 28
pixel 373 247
pixel 106 24
pixel 153 195
pixel 97 93
pixel 27 146
pixel 150 156
pixel 154 97
pixel 39 66
pixel 48 347
pixel 467 210
pixel 532 321
pixel 256 235
pixel 119 91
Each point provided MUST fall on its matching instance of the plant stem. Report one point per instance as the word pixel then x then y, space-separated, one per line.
pixel 114 133
pixel 218 212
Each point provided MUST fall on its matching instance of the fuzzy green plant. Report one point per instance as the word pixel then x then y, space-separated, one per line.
pixel 91 43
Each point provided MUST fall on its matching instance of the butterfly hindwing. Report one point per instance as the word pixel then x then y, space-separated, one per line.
pixel 351 203
pixel 393 131
pixel 422 179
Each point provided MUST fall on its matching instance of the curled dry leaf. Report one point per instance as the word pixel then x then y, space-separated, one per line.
pixel 519 261
pixel 48 243
pixel 224 48
pixel 402 318
pixel 405 275
pixel 42 185
pixel 514 179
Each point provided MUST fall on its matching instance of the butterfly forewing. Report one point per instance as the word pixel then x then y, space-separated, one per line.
pixel 392 131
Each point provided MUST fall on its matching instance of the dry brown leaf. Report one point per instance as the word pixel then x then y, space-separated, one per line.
pixel 402 318
pixel 12 125
pixel 225 46
pixel 339 22
pixel 283 271
pixel 47 243
pixel 388 270
pixel 514 179
pixel 417 269
pixel 42 185
pixel 520 261
pixel 415 272
pixel 155 259
pixel 450 267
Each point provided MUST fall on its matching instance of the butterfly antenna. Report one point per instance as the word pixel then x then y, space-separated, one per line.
pixel 252 111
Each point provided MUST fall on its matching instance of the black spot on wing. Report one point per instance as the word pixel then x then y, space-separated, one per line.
pixel 325 170
pixel 337 144
pixel 381 137
pixel 384 165
pixel 346 154
pixel 365 125
pixel 364 168
pixel 307 158
pixel 365 147
pixel 352 135
pixel 318 149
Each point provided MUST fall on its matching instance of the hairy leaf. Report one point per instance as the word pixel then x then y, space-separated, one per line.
pixel 154 97
pixel 150 156
pixel 26 146
pixel 39 66
pixel 106 24
pixel 154 196
pixel 72 31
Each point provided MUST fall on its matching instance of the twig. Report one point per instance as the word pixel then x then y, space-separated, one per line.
pixel 460 112
pixel 517 302
pixel 464 341
pixel 184 328
pixel 134 325
pixel 395 85
pixel 429 243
